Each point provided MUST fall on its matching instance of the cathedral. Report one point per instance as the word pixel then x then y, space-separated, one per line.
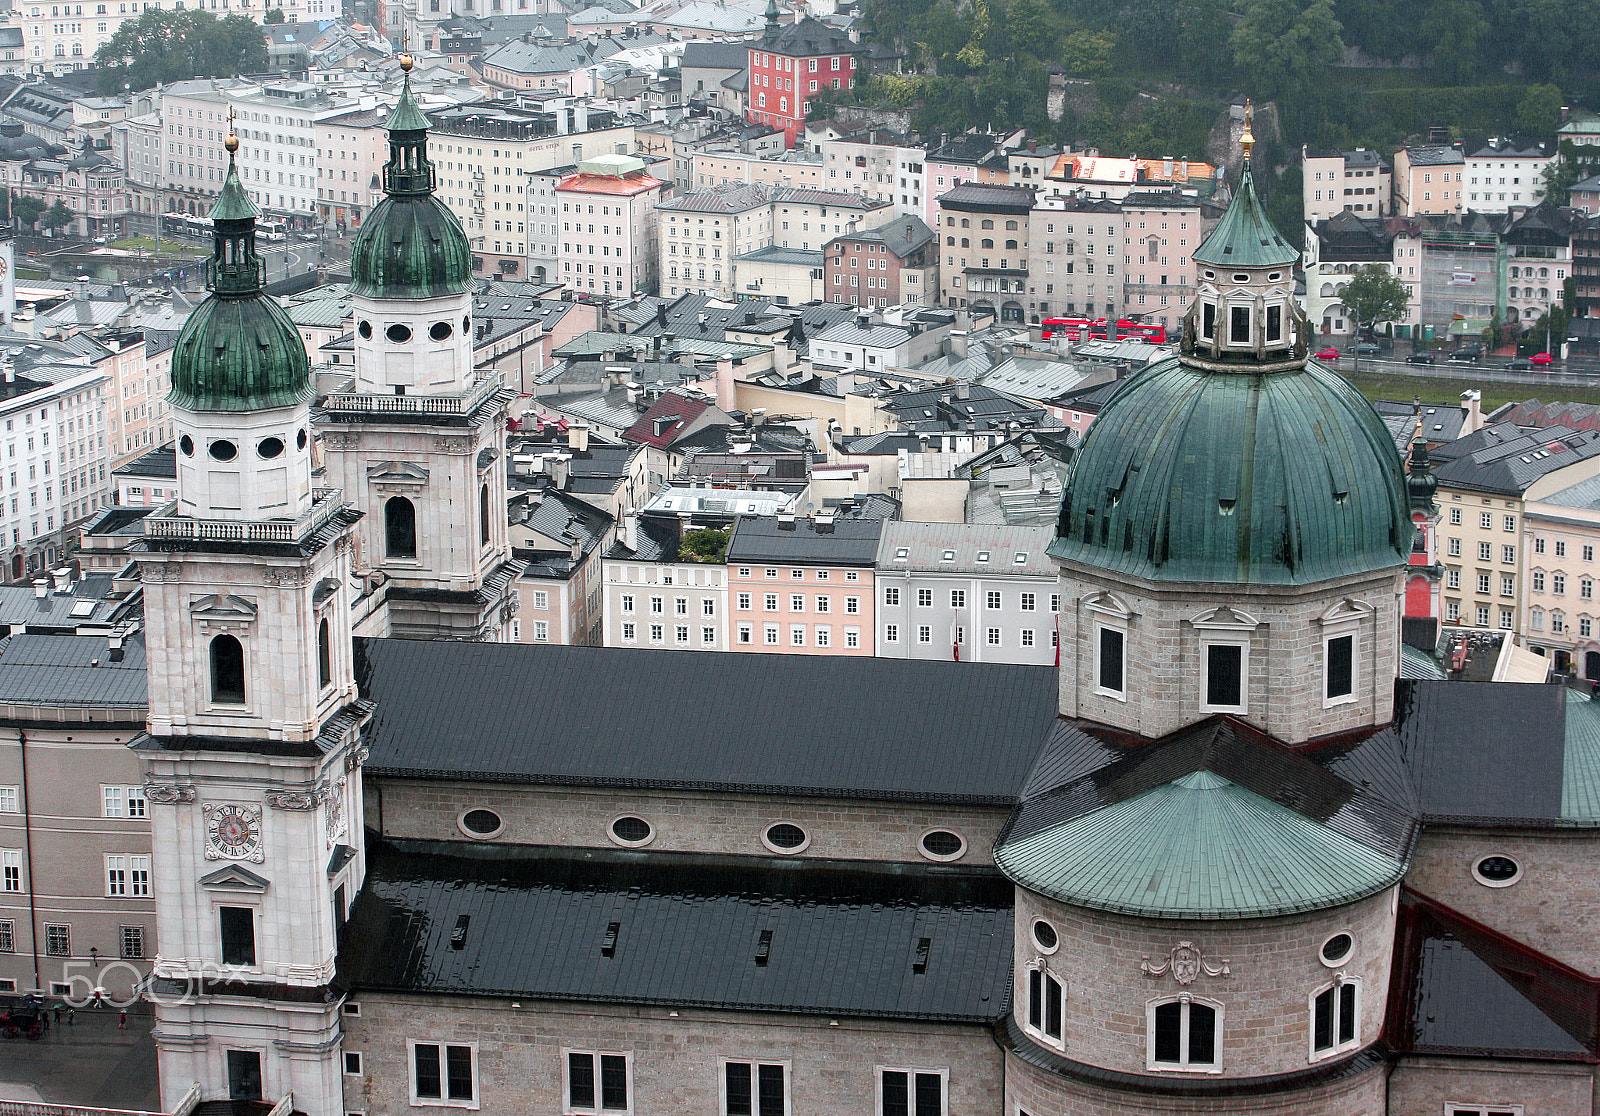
pixel 1221 860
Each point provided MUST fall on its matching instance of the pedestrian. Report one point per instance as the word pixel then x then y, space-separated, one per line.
pixel 71 1011
pixel 58 1014
pixel 122 1020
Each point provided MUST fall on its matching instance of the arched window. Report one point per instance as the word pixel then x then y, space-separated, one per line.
pixel 400 528
pixel 986 243
pixel 227 671
pixel 324 655
pixel 1184 1034
pixel 483 515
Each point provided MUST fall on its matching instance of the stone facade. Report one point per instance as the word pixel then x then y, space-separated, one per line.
pixel 700 822
pixel 676 1056
pixel 1422 1086
pixel 1267 971
pixel 1167 626
pixel 1552 906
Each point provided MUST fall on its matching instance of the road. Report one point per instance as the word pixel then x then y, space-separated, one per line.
pixel 1490 370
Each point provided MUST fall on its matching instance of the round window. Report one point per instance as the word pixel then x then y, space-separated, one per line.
pixel 300 439
pixel 785 837
pixel 941 844
pixel 1337 949
pixel 1045 936
pixel 631 831
pixel 365 329
pixel 270 447
pixel 481 823
pixel 186 444
pixel 399 334
pixel 1497 871
pixel 439 331
pixel 224 451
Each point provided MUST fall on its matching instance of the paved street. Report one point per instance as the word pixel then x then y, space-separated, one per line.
pixel 91 1063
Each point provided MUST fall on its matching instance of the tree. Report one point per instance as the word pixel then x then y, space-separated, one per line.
pixel 1028 25
pixel 707 544
pixel 166 46
pixel 58 216
pixel 1279 45
pixel 1539 111
pixel 1373 295
pixel 27 210
pixel 1088 54
pixel 272 17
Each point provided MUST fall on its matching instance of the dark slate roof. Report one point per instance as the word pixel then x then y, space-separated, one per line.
pixel 872 728
pixel 1434 156
pixel 847 543
pixel 988 197
pixel 72 670
pixel 160 463
pixel 807 38
pixel 840 939
pixel 1504 459
pixel 698 54
pixel 900 237
pixel 1460 739
pixel 1464 989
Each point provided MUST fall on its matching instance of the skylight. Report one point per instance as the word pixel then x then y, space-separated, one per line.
pixel 901 553
pixel 948 556
pixel 983 555
pixel 1022 558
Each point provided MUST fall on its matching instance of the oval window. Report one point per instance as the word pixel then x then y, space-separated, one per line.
pixel 300 439
pixel 1497 871
pixel 629 830
pixel 270 447
pixel 1241 277
pixel 1044 936
pixel 186 444
pixel 439 331
pixel 466 324
pixel 224 451
pixel 365 329
pixel 1337 949
pixel 399 334
pixel 1275 276
pixel 941 844
pixel 785 837
pixel 481 823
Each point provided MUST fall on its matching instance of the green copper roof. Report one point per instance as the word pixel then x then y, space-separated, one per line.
pixel 238 351
pixel 1245 237
pixel 1580 775
pixel 1260 478
pixel 407 116
pixel 1198 847
pixel 411 246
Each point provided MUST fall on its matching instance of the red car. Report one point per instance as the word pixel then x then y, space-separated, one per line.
pixel 1541 358
pixel 1330 353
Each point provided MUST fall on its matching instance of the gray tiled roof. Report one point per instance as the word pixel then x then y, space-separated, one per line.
pixel 737 197
pixel 927 543
pixel 849 543
pixel 71 670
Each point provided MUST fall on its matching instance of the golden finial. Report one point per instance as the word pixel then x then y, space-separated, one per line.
pixel 232 142
pixel 406 62
pixel 1248 140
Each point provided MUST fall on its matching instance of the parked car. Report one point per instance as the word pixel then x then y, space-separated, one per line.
pixel 1364 348
pixel 1542 358
pixel 1519 364
pixel 1465 356
pixel 1423 358
pixel 1329 353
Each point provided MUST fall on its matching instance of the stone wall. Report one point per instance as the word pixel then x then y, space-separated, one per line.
pixel 1553 907
pixel 1284 695
pixel 702 822
pixel 1423 1086
pixel 1273 967
pixel 676 1054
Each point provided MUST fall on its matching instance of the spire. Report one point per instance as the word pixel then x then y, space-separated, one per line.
pixel 1246 237
pixel 234 270
pixel 409 171
pixel 772 21
pixel 1421 484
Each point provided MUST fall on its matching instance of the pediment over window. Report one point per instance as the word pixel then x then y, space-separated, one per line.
pixel 1226 619
pixel 1345 609
pixel 222 607
pixel 235 878
pixel 401 472
pixel 1108 604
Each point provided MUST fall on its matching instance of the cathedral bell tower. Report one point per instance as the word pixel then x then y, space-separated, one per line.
pixel 417 438
pixel 253 738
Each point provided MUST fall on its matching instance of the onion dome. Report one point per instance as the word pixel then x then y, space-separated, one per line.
pixel 238 351
pixel 411 246
pixel 1240 460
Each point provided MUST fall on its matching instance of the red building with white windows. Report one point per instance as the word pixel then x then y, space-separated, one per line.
pixel 790 65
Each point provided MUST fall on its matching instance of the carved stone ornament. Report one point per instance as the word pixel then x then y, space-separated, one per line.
pixel 452 445
pixel 233 831
pixel 286 576
pixel 168 794
pixel 356 757
pixel 291 800
pixel 334 796
pixel 1186 963
pixel 335 440
pixel 157 573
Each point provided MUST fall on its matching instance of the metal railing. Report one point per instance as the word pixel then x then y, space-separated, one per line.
pixel 164 525
pixel 464 404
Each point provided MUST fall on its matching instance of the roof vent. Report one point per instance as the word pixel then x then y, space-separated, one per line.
pixel 786 521
pixel 458 936
pixel 919 963
pixel 764 948
pixel 608 944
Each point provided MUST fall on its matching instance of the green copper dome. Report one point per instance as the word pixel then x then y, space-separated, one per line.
pixel 411 245
pixel 1188 474
pixel 238 351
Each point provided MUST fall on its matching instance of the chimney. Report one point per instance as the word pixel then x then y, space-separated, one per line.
pixel 63 578
pixel 114 652
pixel 41 590
pixel 81 288
pixel 727 396
pixel 758 415
pixel 786 521
pixel 635 392
pixel 684 519
pixel 630 530
pixel 578 437
pixel 559 468
pixel 1472 404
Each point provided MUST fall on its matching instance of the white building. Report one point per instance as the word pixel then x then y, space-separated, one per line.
pixel 808 219
pixel 652 598
pixel 881 166
pixel 1361 181
pixel 608 226
pixel 699 234
pixel 989 590
pixel 1501 175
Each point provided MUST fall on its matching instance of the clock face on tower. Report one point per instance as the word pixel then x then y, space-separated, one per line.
pixel 233 831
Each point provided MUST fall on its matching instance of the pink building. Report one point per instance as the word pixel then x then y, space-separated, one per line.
pixel 608 226
pixel 800 585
